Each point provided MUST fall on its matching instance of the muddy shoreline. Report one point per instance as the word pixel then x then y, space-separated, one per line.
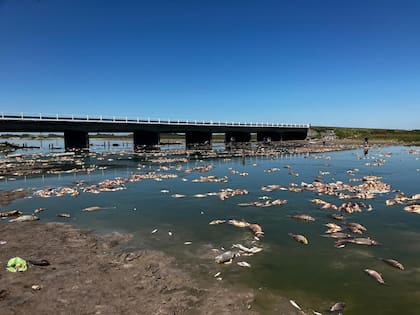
pixel 89 274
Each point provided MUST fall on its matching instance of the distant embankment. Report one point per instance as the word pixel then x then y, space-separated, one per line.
pixel 359 134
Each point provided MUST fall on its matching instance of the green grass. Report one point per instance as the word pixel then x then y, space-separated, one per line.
pixel 372 134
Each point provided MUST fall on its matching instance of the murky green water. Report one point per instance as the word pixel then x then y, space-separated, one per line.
pixel 315 276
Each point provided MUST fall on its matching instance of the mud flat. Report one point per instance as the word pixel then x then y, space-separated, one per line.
pixel 88 274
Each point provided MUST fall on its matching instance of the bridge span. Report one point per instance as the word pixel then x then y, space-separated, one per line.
pixel 146 132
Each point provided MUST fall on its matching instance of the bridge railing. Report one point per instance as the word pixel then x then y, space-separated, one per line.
pixel 115 119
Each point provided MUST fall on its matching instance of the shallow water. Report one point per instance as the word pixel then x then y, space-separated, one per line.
pixel 315 276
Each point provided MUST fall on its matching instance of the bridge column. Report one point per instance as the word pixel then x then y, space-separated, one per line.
pixel 234 139
pixel 144 139
pixel 200 140
pixel 76 140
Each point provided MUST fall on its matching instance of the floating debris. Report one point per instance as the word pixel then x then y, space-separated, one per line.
pixel 228 192
pixel 211 179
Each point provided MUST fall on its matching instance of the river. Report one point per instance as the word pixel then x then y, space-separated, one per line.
pixel 314 275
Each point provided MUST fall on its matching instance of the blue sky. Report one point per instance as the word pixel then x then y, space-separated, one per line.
pixel 334 63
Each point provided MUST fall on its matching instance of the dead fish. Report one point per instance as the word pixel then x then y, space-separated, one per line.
pixel 200 195
pixel 338 307
pixel 364 241
pixel 356 226
pixel 333 226
pixel 96 208
pixel 63 215
pixel 336 216
pixel 38 210
pixel 252 250
pixel 217 222
pixel 187 243
pixel 238 223
pixel 376 275
pixel 318 201
pixel 246 204
pixel 295 305
pixel 154 231
pixel 225 257
pixel 257 229
pixel 299 238
pixel 358 240
pixel 178 196
pixel 25 218
pixel 394 263
pixel 338 235
pixel 11 213
pixel 413 208
pixel 303 217
pixel 243 264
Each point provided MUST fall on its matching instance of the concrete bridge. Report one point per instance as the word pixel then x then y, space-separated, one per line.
pixel 146 132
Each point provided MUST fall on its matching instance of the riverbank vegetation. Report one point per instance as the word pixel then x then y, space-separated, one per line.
pixel 385 135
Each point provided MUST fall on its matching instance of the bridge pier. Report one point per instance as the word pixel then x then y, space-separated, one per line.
pixel 268 137
pixel 234 139
pixel 200 140
pixel 76 140
pixel 144 139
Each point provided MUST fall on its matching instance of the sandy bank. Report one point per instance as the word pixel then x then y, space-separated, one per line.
pixel 89 275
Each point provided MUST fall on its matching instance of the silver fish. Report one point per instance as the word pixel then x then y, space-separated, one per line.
pixel 338 235
pixel 243 264
pixel 299 238
pixel 338 307
pixel 96 208
pixel 226 256
pixel 25 218
pixel 376 275
pixel 303 217
pixel 357 226
pixel 394 263
pixel 357 240
pixel 336 216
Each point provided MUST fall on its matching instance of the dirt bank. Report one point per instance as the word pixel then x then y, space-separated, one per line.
pixel 88 275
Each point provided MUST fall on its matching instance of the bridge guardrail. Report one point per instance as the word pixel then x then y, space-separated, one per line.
pixel 113 119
